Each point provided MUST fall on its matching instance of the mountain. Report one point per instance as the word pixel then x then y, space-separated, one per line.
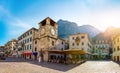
pixel 65 28
pixel 107 34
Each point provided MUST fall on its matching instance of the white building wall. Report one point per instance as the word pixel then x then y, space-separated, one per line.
pixel 27 41
pixel 83 45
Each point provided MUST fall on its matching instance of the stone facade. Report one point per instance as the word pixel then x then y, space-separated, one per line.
pixel 116 48
pixel 47 39
pixel 82 42
pixel 11 47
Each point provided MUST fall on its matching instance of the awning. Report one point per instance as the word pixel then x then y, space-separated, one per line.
pixel 27 53
pixel 67 51
pixel 35 53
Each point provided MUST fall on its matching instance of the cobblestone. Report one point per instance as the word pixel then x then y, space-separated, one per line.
pixel 35 67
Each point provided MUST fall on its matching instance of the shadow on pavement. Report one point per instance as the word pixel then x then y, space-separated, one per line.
pixel 11 59
pixel 117 62
pixel 55 66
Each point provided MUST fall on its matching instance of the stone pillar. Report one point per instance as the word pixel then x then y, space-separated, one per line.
pixel 45 58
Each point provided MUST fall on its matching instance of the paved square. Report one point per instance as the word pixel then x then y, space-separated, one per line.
pixel 17 66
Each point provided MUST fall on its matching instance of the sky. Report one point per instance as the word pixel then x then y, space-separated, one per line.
pixel 17 16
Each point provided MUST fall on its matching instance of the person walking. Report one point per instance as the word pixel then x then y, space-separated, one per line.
pixel 39 59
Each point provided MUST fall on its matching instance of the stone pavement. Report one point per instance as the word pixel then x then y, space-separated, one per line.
pixel 17 66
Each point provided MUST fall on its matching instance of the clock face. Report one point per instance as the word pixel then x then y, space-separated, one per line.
pixel 42 31
pixel 52 31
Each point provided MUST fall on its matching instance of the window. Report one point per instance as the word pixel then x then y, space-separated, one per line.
pixel 35 42
pixel 30 39
pixel 114 49
pixel 82 37
pixel 24 35
pixel 118 48
pixel 102 41
pixel 114 42
pixel 82 48
pixel 73 38
pixel 106 46
pixel 77 44
pixel 27 40
pixel 35 49
pixel 99 41
pixel 23 49
pixel 61 48
pixel 30 47
pixel 82 43
pixel 62 42
pixel 27 47
pixel 52 43
pixel 24 41
pixel 30 32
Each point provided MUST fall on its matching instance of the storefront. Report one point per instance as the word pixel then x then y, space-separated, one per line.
pixel 27 55
pixel 67 56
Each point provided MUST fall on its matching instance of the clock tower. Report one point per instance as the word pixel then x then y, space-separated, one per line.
pixel 48 35
pixel 48 27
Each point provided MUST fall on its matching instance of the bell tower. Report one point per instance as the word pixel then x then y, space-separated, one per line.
pixel 48 27
pixel 48 35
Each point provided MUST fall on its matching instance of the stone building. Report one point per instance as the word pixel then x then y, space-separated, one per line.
pixel 102 49
pixel 11 47
pixel 25 43
pixel 116 47
pixel 2 49
pixel 81 41
pixel 47 39
pixel 102 46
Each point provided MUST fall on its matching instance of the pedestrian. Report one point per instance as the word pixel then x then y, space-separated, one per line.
pixel 39 59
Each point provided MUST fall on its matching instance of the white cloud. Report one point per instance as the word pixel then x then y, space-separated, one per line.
pixel 99 16
pixel 102 19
